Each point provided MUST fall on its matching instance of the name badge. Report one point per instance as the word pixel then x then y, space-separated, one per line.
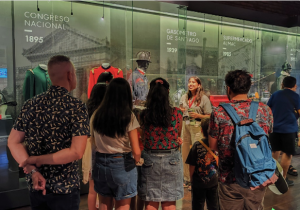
pixel 253 146
pixel 187 122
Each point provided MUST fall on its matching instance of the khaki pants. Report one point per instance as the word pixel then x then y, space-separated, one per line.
pixel 188 136
pixel 235 197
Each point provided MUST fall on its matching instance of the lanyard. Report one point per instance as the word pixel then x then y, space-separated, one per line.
pixel 190 104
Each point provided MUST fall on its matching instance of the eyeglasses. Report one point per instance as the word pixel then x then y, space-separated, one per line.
pixel 225 87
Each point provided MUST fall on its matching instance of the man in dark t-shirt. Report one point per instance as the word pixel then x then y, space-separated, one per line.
pixel 285 105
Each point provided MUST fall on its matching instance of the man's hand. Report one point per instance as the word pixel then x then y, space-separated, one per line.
pixel 32 160
pixel 39 182
pixel 27 169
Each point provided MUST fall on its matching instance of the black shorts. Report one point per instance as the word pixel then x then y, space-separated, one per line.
pixel 285 142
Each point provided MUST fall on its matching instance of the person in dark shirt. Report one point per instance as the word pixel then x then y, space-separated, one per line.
pixel 49 137
pixel 203 173
pixel 285 105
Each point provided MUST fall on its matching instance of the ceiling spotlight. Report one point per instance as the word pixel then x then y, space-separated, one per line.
pixel 103 11
pixel 71 8
pixel 37 6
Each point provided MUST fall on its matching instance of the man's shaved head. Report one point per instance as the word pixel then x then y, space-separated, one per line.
pixel 61 72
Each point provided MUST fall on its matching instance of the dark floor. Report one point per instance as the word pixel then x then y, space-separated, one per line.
pixel 288 201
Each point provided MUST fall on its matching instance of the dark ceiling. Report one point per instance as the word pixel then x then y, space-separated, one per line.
pixel 280 13
pixel 286 8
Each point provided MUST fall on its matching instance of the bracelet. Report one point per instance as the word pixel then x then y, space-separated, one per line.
pixel 33 171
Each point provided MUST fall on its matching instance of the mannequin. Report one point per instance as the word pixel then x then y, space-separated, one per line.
pixel 286 71
pixel 105 65
pixel 176 96
pixel 36 81
pixel 43 66
pixel 139 78
pixel 95 73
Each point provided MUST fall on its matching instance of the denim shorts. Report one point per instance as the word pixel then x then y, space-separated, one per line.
pixel 115 175
pixel 161 176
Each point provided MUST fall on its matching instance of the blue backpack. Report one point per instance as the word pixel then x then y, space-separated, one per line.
pixel 253 162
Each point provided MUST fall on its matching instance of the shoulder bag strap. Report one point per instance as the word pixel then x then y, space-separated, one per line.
pixel 211 152
pixel 232 113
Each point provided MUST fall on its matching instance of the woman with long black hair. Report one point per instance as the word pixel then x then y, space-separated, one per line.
pixel 114 127
pixel 93 103
pixel 162 172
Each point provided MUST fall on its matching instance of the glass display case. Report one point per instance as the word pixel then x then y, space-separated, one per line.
pixel 111 35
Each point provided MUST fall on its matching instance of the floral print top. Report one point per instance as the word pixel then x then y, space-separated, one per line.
pixel 159 138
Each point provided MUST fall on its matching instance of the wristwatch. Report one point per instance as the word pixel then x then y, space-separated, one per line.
pixel 33 171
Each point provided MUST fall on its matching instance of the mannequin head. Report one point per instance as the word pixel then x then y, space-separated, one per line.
pixel 287 67
pixel 142 64
pixel 143 59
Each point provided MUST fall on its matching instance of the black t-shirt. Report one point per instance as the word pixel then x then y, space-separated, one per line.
pixel 197 157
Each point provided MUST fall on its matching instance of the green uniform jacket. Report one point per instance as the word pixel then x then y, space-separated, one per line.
pixel 36 81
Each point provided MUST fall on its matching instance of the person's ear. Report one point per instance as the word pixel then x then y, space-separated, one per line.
pixel 69 76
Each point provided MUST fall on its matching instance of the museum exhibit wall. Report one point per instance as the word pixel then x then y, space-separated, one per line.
pixel 181 43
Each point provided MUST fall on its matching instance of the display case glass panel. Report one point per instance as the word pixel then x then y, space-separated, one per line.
pixel 179 43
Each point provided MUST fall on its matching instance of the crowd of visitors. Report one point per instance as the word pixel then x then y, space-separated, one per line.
pixel 136 158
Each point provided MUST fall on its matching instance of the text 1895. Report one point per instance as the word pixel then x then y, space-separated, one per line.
pixel 34 39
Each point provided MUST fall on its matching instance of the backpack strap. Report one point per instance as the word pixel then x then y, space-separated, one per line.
pixel 253 110
pixel 211 152
pixel 232 113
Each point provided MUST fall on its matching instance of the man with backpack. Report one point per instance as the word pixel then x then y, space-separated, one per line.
pixel 285 105
pixel 238 131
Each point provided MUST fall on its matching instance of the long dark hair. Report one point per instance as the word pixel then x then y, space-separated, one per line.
pixel 199 93
pixel 98 92
pixel 114 114
pixel 96 98
pixel 158 110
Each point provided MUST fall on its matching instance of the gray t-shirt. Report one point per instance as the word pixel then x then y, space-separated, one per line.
pixel 204 107
pixel 108 145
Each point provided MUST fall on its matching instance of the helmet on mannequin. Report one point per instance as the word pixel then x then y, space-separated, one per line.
pixel 287 67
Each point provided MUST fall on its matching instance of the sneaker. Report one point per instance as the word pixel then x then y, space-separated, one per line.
pixel 289 182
